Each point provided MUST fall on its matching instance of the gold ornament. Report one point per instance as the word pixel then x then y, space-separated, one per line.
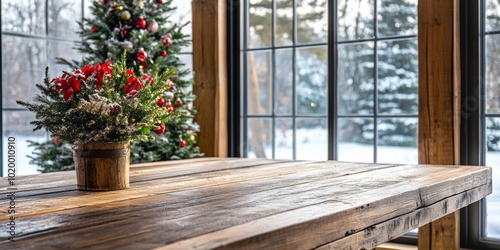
pixel 139 4
pixel 119 7
pixel 125 16
pixel 192 137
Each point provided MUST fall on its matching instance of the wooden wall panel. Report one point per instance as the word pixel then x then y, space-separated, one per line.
pixel 210 75
pixel 439 104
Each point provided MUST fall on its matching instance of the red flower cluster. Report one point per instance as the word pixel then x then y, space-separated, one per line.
pixel 133 85
pixel 70 84
pixel 99 71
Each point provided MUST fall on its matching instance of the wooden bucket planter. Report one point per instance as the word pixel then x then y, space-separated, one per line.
pixel 102 166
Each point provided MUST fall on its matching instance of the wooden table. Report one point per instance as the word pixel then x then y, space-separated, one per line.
pixel 232 203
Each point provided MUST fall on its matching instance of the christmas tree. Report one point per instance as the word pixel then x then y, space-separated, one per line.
pixel 152 41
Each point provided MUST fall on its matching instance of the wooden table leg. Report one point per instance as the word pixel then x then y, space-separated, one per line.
pixel 440 234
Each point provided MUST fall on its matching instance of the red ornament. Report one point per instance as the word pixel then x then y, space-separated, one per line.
pixel 160 102
pixel 178 102
pixel 93 29
pixel 170 107
pixel 159 1
pixel 182 143
pixel 142 55
pixel 104 1
pixel 164 53
pixel 166 39
pixel 170 85
pixel 140 23
pixel 161 130
pixel 56 140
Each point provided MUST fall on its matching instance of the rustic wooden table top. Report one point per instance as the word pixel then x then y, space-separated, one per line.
pixel 238 203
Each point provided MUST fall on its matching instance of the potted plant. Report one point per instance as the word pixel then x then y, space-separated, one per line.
pixel 100 109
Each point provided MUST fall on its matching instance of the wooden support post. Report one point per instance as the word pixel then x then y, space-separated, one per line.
pixel 210 68
pixel 439 105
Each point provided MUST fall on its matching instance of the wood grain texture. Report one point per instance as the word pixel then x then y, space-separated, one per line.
pixel 102 166
pixel 437 82
pixel 232 203
pixel 439 104
pixel 210 68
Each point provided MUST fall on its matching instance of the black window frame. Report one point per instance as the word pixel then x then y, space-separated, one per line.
pixel 472 39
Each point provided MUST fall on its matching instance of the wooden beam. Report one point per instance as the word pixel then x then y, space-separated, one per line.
pixel 439 104
pixel 210 68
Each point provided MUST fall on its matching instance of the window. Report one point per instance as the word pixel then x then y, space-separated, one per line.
pixel 288 111
pixel 34 33
pixel 480 29
pixel 490 60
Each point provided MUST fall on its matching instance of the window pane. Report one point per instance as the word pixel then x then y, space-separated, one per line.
pixel 16 124
pixel 284 83
pixel 312 139
pixel 62 17
pixel 26 17
pixel 398 77
pixel 312 21
pixel 62 50
pixel 492 65
pixel 492 15
pixel 259 89
pixel 283 141
pixel 355 78
pixel 493 160
pixel 312 80
pixel 397 17
pixel 284 22
pixel 355 139
pixel 397 141
pixel 355 19
pixel 187 59
pixel 259 138
pixel 260 23
pixel 23 64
